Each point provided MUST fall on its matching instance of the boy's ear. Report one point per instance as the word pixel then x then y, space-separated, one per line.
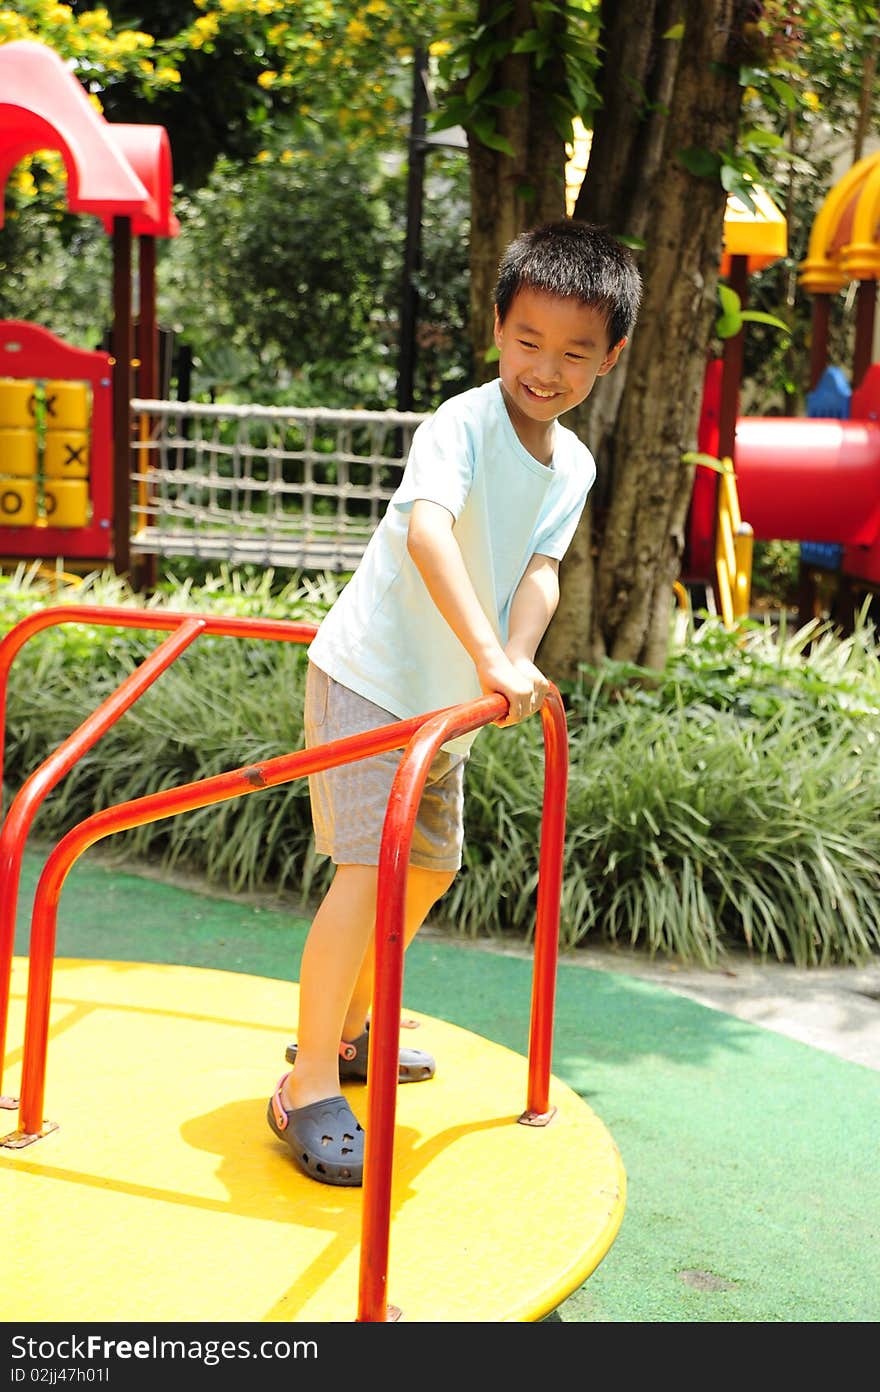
pixel 611 357
pixel 496 332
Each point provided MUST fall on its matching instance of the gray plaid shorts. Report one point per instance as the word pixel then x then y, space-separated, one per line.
pixel 349 802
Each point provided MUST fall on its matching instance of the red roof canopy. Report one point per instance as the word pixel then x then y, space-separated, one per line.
pixel 112 170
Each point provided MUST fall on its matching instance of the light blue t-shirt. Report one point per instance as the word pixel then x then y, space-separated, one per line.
pixel 384 637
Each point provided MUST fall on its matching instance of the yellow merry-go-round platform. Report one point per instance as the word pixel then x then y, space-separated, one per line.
pixel 162 1195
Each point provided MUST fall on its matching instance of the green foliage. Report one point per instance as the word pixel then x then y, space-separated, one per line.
pixel 776 571
pixel 733 316
pixel 55 270
pixel 478 39
pixel 731 801
pixel 280 276
pixel 734 171
pixel 286 280
pixel 217 73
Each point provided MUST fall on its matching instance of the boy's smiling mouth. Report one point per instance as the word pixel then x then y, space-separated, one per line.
pixel 540 392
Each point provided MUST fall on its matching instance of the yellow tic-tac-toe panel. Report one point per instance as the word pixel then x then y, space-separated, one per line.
pixel 66 454
pixel 66 502
pixel 67 405
pixel 18 452
pixel 18 502
pixel 17 402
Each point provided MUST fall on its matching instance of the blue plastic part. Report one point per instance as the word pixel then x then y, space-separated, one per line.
pixel 831 397
pixel 825 555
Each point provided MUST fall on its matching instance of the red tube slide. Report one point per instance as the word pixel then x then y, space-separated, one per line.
pixel 809 479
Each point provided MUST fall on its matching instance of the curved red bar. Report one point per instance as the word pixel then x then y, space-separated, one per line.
pixel 26 803
pixel 403 804
pixel 218 625
pixel 184 628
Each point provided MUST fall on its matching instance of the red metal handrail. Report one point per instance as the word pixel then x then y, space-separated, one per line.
pixel 184 628
pixel 218 625
pixel 397 833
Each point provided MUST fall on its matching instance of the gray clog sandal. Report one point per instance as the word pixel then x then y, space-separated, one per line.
pixel 325 1138
pixel 413 1065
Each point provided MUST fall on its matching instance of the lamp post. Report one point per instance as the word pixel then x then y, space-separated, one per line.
pixel 419 144
pixel 412 252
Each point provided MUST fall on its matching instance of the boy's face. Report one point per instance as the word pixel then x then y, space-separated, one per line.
pixel 551 349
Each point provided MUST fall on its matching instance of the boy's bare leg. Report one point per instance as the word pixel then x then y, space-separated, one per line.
pixel 336 972
pixel 423 889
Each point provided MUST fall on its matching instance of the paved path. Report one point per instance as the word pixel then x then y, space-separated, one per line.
pixel 832 1008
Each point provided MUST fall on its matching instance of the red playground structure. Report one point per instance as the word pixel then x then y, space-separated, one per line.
pixel 65 414
pixel 812 479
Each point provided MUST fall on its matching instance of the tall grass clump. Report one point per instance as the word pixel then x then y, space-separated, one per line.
pixel 731 801
pixel 224 704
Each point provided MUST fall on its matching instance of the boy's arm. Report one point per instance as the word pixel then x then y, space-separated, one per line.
pixel 533 606
pixel 438 559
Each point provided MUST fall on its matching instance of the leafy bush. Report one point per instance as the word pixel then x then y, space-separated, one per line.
pixel 775 572
pixel 730 800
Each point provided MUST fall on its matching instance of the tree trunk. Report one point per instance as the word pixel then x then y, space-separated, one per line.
pixel 510 193
pixel 660 96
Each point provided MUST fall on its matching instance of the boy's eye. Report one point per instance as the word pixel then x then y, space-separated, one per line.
pixel 524 343
pixel 576 357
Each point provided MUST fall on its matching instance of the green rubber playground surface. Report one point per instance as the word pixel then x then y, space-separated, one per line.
pixel 751 1159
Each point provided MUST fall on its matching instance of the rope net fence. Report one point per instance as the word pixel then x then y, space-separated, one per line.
pixel 267 485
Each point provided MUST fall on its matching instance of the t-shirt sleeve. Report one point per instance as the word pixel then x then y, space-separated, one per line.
pixel 440 465
pixel 559 525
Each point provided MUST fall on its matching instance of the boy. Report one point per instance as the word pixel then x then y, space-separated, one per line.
pixel 450 601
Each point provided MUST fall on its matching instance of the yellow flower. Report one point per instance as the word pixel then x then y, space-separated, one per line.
pixel 95 20
pixel 356 30
pixel 262 157
pixel 286 156
pixel 131 39
pixel 377 8
pixel 440 48
pixel 23 182
pixel 811 99
pixel 12 26
pixel 169 75
pixel 266 79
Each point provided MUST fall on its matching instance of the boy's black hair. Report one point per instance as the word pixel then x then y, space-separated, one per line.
pixel 575 260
